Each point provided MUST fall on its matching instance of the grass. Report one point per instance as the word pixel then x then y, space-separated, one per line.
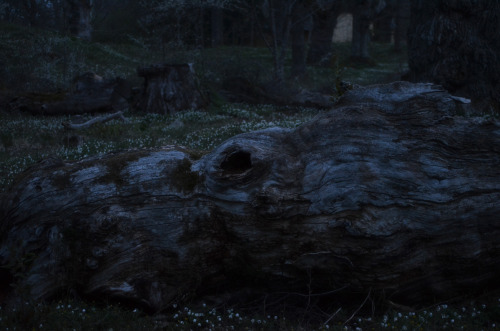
pixel 79 315
pixel 26 140
pixel 38 60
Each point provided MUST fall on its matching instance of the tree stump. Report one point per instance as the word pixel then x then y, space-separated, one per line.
pixel 170 88
pixel 390 192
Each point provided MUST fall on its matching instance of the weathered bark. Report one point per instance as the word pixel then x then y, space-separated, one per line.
pixel 169 89
pixel 389 192
pixel 457 44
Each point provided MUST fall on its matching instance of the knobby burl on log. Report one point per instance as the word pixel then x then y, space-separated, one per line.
pixel 388 192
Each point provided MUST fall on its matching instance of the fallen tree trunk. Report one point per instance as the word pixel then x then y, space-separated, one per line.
pixel 389 192
pixel 238 89
pixel 90 94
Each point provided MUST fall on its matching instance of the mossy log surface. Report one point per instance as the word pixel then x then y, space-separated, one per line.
pixel 389 192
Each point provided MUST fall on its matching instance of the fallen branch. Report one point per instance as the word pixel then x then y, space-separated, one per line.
pixel 89 123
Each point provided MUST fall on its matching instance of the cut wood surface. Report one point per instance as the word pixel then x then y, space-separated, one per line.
pixel 389 192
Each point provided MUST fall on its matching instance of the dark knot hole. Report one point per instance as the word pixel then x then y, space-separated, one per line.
pixel 237 162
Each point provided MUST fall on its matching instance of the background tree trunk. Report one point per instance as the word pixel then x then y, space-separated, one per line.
pixel 390 192
pixel 383 25
pixel 170 88
pixel 402 21
pixel 360 36
pixel 363 13
pixel 217 20
pixel 200 27
pixel 280 19
pixel 60 9
pixel 456 44
pixel 324 21
pixel 31 9
pixel 80 19
pixel 300 14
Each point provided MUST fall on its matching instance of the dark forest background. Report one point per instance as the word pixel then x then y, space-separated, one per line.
pixel 257 64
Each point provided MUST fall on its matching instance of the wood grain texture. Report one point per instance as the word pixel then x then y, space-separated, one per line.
pixel 388 192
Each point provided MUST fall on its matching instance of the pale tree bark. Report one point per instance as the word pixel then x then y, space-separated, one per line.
pixel 456 44
pixel 390 193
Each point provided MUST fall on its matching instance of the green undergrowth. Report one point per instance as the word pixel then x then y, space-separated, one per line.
pixel 79 315
pixel 26 139
pixel 39 60
pixel 387 65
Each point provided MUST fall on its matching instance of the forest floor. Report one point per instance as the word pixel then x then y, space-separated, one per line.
pixel 34 61
pixel 42 64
